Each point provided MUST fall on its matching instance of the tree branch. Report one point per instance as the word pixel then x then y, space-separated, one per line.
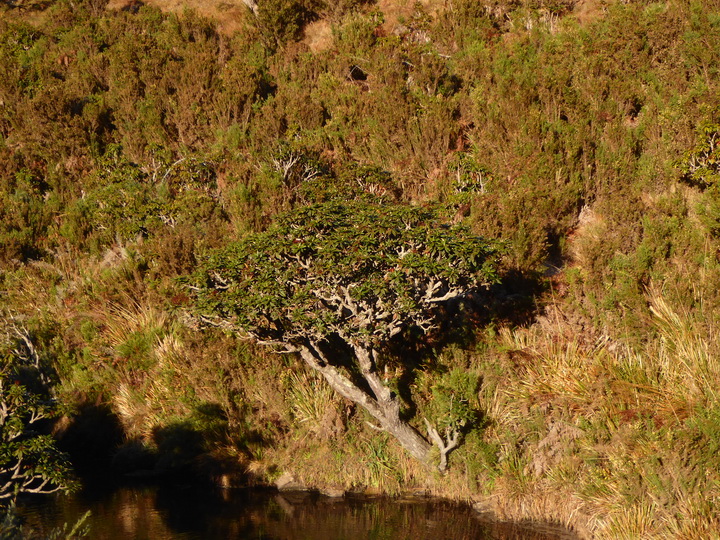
pixel 444 446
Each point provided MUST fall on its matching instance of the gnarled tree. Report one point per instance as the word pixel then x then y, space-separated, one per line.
pixel 347 276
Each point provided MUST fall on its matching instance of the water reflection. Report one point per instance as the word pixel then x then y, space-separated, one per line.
pixel 160 513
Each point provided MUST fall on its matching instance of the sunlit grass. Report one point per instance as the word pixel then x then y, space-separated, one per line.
pixel 627 465
pixel 311 399
pixel 688 364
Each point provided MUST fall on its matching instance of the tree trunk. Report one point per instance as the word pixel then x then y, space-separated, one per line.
pixel 385 408
pixel 408 437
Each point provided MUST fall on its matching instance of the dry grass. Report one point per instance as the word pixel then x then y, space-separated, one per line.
pixel 122 321
pixel 630 523
pixel 318 36
pixel 399 12
pixel 689 364
pixel 231 15
pixel 554 370
pixel 590 428
pixel 314 404
pixel 587 11
pixel 135 412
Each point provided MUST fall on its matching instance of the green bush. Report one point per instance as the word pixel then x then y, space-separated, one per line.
pixel 30 462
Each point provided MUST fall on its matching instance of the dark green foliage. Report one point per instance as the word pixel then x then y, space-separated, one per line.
pixel 453 400
pixel 29 460
pixel 393 261
pixel 283 20
pixel 123 202
pixel 701 165
pixel 25 213
pixel 353 182
pixel 351 275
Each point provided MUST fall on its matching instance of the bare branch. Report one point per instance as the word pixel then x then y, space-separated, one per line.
pixel 452 439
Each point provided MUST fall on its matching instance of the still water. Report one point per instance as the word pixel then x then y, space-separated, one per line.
pixel 184 513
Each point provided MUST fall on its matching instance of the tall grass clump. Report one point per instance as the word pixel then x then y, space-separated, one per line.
pixel 623 434
pixel 687 353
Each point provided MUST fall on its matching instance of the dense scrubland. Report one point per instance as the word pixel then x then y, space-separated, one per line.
pixel 579 134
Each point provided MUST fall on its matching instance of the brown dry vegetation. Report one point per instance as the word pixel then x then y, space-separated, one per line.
pixel 133 142
pixel 231 15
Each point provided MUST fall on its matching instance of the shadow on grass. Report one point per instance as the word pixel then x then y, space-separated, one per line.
pixel 190 450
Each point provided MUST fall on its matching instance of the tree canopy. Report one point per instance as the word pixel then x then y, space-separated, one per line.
pixel 359 273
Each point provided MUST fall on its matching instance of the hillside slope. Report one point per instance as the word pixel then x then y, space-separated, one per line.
pixel 581 135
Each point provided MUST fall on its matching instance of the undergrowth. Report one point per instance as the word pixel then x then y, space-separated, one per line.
pixel 132 142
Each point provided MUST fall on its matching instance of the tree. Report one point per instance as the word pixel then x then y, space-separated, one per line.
pixel 347 276
pixel 29 460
